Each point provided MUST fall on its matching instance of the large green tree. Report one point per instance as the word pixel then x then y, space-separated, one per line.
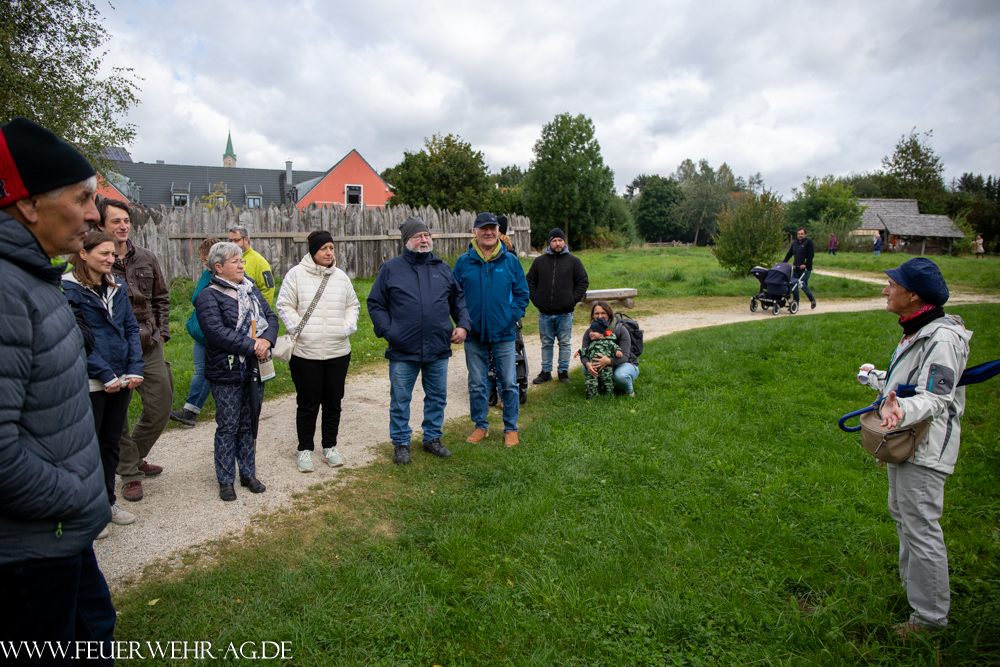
pixel 914 171
pixel 447 173
pixel 827 199
pixel 50 64
pixel 654 210
pixel 705 195
pixel 568 185
pixel 751 234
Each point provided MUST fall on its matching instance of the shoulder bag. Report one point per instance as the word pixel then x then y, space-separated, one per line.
pixel 285 344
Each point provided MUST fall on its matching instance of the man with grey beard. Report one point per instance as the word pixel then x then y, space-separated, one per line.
pixel 412 304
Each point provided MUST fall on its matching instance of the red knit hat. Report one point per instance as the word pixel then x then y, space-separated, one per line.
pixel 34 160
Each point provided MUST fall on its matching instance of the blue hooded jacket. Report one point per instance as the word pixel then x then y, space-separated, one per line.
pixel 496 293
pixel 412 304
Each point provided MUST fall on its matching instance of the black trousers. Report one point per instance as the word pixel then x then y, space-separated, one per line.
pixel 318 383
pixel 110 414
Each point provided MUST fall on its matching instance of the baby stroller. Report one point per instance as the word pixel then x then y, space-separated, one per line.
pixel 520 369
pixel 776 288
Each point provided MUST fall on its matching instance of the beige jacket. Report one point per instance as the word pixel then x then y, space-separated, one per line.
pixel 934 362
pixel 335 318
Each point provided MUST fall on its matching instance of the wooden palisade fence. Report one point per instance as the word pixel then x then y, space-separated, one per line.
pixel 364 237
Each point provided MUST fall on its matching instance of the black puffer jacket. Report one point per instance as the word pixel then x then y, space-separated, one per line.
pixel 556 283
pixel 52 497
pixel 217 315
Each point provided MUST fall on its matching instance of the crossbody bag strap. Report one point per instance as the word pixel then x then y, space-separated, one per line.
pixel 312 306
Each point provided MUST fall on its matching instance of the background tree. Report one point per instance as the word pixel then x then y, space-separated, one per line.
pixel 568 185
pixel 217 197
pixel 634 189
pixel 509 177
pixel 751 234
pixel 975 203
pixel 704 197
pixel 822 202
pixel 654 210
pixel 49 73
pixel 914 171
pixel 445 174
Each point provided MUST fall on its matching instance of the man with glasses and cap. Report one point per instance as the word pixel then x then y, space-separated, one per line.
pixel 920 385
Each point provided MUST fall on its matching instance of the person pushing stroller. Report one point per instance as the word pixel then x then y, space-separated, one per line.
pixel 602 342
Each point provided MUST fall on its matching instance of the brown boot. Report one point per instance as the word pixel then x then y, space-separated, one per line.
pixel 149 469
pixel 132 491
pixel 477 435
pixel 510 438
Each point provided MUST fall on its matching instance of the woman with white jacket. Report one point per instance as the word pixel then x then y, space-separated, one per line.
pixel 322 349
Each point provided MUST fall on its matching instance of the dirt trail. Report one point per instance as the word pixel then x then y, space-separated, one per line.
pixel 181 507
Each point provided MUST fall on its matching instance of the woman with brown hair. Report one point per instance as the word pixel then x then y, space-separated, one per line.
pixel 115 365
pixel 626 367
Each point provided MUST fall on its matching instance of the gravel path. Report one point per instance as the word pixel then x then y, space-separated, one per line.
pixel 181 507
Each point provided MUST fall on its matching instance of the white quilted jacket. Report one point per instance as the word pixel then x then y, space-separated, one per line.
pixel 325 335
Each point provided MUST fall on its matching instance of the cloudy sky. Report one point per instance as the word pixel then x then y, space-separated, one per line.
pixel 788 89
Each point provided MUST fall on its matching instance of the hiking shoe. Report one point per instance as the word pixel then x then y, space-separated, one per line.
pixel 564 376
pixel 253 484
pixel 436 448
pixel 149 469
pixel 227 492
pixel 305 461
pixel 813 305
pixel 542 378
pixel 185 417
pixel 510 438
pixel 104 532
pixel 331 456
pixel 402 455
pixel 477 435
pixel 120 516
pixel 132 491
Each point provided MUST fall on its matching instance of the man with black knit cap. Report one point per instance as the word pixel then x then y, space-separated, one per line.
pixel 557 282
pixel 922 385
pixel 412 304
pixel 53 502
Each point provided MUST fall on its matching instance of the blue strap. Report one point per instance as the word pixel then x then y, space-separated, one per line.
pixel 856 413
pixel 980 373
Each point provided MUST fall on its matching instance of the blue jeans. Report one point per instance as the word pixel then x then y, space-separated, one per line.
pixel 477 360
pixel 877 252
pixel 200 388
pixel 58 600
pixel 551 327
pixel 625 375
pixel 805 283
pixel 434 380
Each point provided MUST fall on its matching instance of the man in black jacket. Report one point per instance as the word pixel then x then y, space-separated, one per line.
pixel 802 250
pixel 53 502
pixel 557 282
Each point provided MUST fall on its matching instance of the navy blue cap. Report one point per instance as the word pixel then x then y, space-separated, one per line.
pixel 484 219
pixel 922 277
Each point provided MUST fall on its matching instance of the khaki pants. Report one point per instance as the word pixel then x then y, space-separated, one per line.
pixel 157 394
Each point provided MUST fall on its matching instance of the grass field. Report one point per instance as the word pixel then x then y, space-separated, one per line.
pixel 720 518
pixel 960 272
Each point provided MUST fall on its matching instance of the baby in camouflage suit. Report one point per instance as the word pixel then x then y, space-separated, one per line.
pixel 606 345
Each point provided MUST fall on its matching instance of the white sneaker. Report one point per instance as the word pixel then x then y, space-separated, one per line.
pixel 104 533
pixel 121 516
pixel 305 461
pixel 331 456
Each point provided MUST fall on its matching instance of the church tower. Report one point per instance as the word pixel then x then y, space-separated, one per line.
pixel 229 157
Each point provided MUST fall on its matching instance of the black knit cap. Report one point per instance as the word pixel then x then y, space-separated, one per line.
pixel 34 160
pixel 318 240
pixel 556 234
pixel 412 226
pixel 600 325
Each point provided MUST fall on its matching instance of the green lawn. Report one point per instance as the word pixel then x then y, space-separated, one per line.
pixel 963 272
pixel 720 518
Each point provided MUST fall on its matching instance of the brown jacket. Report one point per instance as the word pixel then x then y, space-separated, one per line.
pixel 148 293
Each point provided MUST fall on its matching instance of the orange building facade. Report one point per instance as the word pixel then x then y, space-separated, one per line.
pixel 350 181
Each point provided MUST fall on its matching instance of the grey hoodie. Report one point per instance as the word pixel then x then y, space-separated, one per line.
pixel 52 497
pixel 934 363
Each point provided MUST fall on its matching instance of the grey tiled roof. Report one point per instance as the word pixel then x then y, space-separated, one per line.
pixel 878 207
pixel 156 180
pixel 938 226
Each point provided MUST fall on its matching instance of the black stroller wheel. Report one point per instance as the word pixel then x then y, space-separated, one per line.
pixel 793 307
pixel 775 309
pixel 522 393
pixel 753 305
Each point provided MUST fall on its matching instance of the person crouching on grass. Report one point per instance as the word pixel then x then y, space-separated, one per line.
pixel 239 329
pixel 602 342
pixel 115 365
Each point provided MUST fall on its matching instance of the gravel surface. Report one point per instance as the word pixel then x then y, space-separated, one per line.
pixel 181 507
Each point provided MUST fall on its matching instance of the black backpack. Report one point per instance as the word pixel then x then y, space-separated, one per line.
pixel 633 331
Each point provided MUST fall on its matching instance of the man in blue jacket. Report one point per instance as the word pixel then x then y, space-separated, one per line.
pixel 412 304
pixel 53 501
pixel 497 294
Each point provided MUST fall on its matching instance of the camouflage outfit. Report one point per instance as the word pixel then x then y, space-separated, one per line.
pixel 604 382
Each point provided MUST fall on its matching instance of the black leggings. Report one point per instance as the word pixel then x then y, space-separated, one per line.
pixel 110 414
pixel 318 383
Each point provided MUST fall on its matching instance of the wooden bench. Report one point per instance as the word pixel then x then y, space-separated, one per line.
pixel 625 296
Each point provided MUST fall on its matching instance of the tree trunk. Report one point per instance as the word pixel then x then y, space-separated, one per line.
pixel 697 229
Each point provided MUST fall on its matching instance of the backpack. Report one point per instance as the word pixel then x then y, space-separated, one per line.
pixel 633 331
